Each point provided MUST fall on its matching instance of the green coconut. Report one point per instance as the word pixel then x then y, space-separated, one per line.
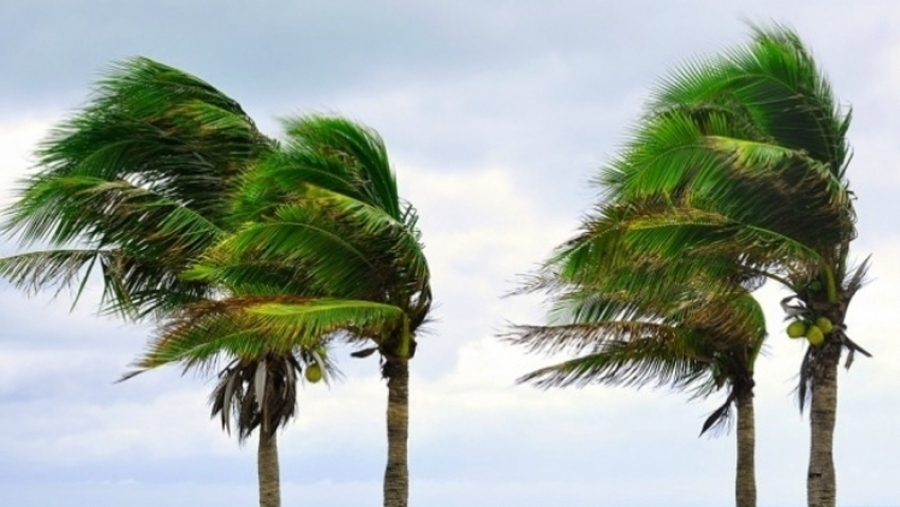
pixel 824 324
pixel 313 373
pixel 815 336
pixel 796 329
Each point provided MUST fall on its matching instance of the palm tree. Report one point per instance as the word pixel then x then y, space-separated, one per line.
pixel 326 250
pixel 739 165
pixel 672 335
pixel 139 183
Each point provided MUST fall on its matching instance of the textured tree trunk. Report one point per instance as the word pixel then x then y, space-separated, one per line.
pixel 267 468
pixel 396 475
pixel 821 490
pixel 745 479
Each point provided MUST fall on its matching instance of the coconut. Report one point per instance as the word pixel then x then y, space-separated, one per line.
pixel 815 336
pixel 796 329
pixel 314 373
pixel 824 324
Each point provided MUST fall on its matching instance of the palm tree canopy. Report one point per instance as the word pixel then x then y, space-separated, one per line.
pixel 135 182
pixel 741 156
pixel 321 250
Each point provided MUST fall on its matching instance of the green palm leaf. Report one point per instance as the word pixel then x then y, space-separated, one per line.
pixel 251 326
pixel 143 170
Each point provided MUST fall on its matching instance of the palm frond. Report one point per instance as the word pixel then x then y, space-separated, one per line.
pixel 359 149
pixel 250 326
pixel 61 269
pixel 576 338
pixel 143 169
pixel 776 79
pixel 633 362
pixel 337 244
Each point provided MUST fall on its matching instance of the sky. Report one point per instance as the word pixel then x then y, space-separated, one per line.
pixel 496 114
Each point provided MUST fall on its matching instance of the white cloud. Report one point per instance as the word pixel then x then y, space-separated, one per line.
pixel 18 139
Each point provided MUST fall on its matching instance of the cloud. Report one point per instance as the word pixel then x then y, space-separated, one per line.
pixel 18 139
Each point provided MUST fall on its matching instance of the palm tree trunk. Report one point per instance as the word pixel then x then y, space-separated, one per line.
pixel 396 475
pixel 745 479
pixel 267 468
pixel 820 486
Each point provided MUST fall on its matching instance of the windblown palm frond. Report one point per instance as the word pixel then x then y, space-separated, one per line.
pixel 143 170
pixel 661 360
pixel 700 344
pixel 331 153
pixel 776 79
pixel 250 327
pixel 360 150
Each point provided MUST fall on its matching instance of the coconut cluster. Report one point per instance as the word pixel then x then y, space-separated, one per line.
pixel 813 332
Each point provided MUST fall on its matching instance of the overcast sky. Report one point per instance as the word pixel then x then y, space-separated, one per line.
pixel 496 114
